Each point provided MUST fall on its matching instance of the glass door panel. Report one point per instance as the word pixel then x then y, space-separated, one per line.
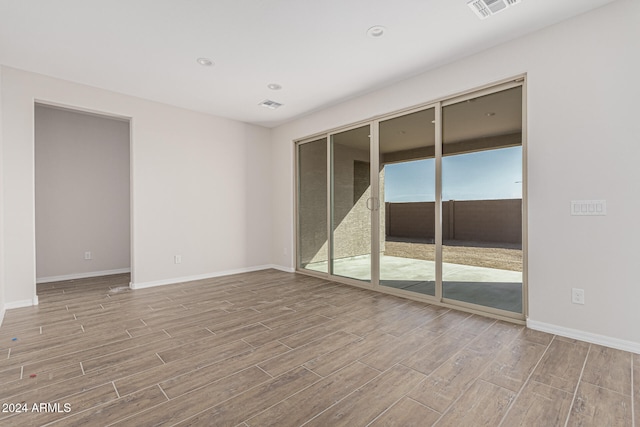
pixel 351 204
pixel 313 242
pixel 407 202
pixel 482 200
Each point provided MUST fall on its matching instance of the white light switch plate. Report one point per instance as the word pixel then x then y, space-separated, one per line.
pixel 588 207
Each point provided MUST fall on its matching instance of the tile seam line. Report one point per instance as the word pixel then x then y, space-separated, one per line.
pixel 575 392
pixel 504 417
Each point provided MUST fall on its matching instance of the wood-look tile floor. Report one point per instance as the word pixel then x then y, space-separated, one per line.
pixel 277 349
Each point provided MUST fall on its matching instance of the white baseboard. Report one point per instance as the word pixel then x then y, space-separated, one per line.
pixel 604 340
pixel 282 268
pixel 82 275
pixel 175 280
pixel 21 303
pixel 2 311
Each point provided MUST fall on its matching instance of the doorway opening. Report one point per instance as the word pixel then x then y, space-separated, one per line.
pixel 82 194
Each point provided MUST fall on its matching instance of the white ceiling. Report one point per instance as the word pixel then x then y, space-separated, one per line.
pixel 317 50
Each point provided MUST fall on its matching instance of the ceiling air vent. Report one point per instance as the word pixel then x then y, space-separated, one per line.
pixel 272 105
pixel 486 8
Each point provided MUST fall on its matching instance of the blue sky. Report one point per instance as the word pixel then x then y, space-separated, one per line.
pixel 491 174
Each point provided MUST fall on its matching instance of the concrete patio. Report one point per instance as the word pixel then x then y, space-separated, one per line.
pixel 489 287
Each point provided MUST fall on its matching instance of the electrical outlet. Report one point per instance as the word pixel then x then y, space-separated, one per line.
pixel 177 259
pixel 87 255
pixel 577 296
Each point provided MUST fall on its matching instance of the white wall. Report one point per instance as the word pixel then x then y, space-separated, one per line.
pixel 583 143
pixel 2 205
pixel 82 194
pixel 198 185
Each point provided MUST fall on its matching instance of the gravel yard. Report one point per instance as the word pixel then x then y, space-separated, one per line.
pixel 494 255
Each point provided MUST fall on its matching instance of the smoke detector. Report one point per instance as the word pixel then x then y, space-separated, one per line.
pixel 486 8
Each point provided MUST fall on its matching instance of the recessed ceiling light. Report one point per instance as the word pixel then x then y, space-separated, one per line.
pixel 205 62
pixel 376 31
pixel 272 105
pixel 274 86
pixel 490 114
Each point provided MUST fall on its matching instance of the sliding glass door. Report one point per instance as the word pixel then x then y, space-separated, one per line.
pixel 313 240
pixel 482 200
pixel 407 210
pixel 351 203
pixel 425 203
